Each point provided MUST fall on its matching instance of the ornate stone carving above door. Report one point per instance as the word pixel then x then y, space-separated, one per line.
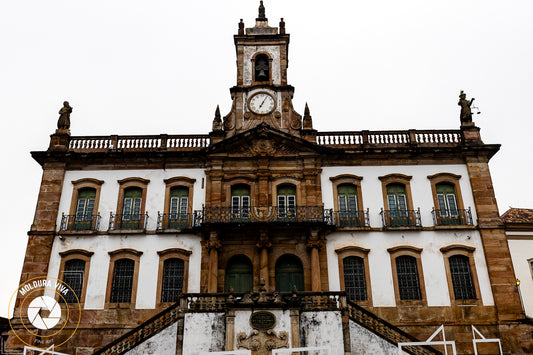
pixel 262 342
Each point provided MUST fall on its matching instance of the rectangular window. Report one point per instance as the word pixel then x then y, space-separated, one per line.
pixel 408 282
pixel 354 278
pixel 73 277
pixel 122 284
pixel 463 287
pixel 172 284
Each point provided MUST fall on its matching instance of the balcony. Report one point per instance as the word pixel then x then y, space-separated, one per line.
pixel 404 219
pixel 77 223
pixel 352 219
pixel 175 221
pixel 452 217
pixel 258 214
pixel 127 222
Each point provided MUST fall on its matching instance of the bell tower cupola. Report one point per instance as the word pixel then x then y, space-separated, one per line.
pixel 262 94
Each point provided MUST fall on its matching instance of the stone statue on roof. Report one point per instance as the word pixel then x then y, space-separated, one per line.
pixel 64 116
pixel 466 112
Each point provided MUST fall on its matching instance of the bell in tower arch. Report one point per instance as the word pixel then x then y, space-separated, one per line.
pixel 262 68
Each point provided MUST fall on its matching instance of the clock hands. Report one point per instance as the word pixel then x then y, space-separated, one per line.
pixel 262 102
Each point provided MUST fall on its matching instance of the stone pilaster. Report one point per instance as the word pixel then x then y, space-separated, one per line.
pixel 264 244
pixel 315 245
pixel 495 247
pixel 230 330
pixel 213 245
pixel 295 328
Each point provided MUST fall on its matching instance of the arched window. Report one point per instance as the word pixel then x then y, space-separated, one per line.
pixel 354 278
pixel 289 273
pixel 262 68
pixel 448 210
pixel 407 275
pixel 172 282
pixel 240 201
pixel 286 201
pixel 397 204
pixel 84 209
pixel 122 284
pixel 73 276
pixel 347 198
pixel 178 207
pixel 463 286
pixel 239 274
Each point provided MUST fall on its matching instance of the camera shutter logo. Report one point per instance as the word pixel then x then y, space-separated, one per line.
pixel 44 303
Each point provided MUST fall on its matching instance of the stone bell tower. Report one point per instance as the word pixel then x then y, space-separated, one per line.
pixel 262 94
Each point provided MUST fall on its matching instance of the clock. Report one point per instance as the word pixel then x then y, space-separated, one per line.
pixel 261 103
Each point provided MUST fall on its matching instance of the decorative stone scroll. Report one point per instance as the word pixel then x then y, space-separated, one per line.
pixel 262 343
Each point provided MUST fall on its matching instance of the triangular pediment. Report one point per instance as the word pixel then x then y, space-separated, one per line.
pixel 264 141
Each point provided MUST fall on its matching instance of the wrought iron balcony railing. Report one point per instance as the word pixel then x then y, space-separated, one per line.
pixel 452 217
pixel 77 223
pixel 352 219
pixel 401 218
pixel 173 221
pixel 127 221
pixel 254 214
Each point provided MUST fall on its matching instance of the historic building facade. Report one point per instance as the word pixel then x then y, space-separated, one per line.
pixel 370 235
pixel 519 229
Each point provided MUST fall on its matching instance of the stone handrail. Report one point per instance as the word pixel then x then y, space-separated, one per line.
pixel 385 330
pixel 138 143
pixel 143 332
pixel 331 139
pixel 390 138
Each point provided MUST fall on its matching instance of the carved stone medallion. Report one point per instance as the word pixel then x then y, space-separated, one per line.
pixel 262 320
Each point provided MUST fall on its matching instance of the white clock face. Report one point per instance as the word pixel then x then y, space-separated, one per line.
pixel 261 103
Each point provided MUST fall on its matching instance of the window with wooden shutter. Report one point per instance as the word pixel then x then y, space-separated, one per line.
pixel 397 200
pixel 178 208
pixel 286 194
pixel 240 201
pixel 347 198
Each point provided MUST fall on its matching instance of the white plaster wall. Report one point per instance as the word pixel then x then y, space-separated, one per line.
pixel 203 332
pixel 274 53
pixel 163 343
pixel 372 192
pixel 521 248
pixel 242 323
pixel 155 193
pixel 433 268
pixel 149 244
pixel 322 329
pixel 364 342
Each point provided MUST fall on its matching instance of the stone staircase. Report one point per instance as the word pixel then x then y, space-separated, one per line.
pixel 304 301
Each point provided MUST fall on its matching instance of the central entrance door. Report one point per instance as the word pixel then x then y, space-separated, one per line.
pixel 289 273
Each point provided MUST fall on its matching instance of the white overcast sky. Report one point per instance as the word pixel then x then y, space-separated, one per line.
pixel 162 66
